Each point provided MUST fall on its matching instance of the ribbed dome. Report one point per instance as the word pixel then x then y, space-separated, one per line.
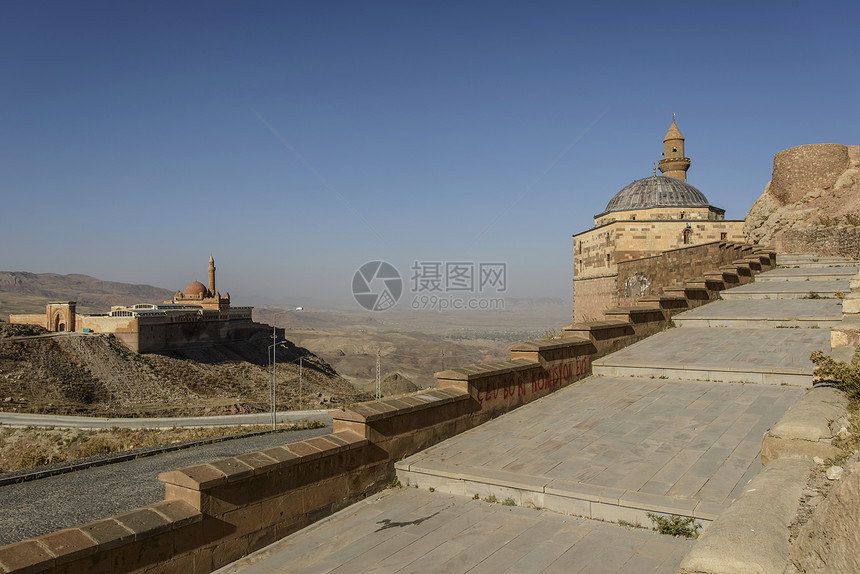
pixel 656 191
pixel 195 288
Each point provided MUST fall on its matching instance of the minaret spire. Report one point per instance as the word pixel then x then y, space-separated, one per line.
pixel 211 276
pixel 674 163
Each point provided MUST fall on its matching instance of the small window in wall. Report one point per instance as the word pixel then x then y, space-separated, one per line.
pixel 683 213
pixel 633 217
pixel 688 236
pixel 674 149
pixel 723 235
pixel 608 259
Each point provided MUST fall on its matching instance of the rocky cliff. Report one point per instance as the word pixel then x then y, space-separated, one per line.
pixel 812 203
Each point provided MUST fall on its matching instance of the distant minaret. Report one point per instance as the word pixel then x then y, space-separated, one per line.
pixel 211 276
pixel 674 164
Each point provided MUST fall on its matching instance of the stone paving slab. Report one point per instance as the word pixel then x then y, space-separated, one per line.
pixel 409 530
pixel 821 313
pixel 784 290
pixel 802 273
pixel 613 448
pixel 805 260
pixel 768 356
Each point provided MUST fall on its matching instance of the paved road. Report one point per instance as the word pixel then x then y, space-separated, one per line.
pixel 412 530
pixel 42 506
pixel 62 421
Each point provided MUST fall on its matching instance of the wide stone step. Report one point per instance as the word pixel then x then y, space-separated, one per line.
pixel 742 355
pixel 762 314
pixel 789 290
pixel 807 274
pixel 813 261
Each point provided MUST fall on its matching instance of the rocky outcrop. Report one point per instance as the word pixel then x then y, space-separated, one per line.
pixel 812 202
pixel 829 541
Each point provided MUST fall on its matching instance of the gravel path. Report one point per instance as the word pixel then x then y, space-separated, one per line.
pixel 41 506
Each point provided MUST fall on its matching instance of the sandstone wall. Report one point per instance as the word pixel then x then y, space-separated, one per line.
pixel 650 275
pixel 839 241
pixel 592 295
pixel 38 319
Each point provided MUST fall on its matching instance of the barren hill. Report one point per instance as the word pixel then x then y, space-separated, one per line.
pixel 812 203
pixel 95 375
pixel 23 292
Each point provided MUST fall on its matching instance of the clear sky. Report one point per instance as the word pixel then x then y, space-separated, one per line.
pixel 295 141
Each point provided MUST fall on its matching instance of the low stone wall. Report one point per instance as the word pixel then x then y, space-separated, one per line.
pixel 218 512
pixel 637 279
pixel 647 276
pixel 808 429
pixel 838 241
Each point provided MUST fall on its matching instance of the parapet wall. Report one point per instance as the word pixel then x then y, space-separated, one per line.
pixel 218 512
pixel 635 279
pixel 648 276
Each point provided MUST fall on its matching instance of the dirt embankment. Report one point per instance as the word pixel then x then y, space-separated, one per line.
pixel 96 375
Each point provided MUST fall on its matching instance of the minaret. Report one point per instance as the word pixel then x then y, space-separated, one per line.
pixel 674 164
pixel 211 276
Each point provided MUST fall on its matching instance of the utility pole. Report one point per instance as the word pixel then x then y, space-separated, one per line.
pixel 443 360
pixel 300 382
pixel 274 375
pixel 378 381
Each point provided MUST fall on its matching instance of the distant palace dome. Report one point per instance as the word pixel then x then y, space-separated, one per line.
pixel 195 289
pixel 656 191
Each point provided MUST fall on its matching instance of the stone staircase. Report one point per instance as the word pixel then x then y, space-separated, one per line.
pixel 760 332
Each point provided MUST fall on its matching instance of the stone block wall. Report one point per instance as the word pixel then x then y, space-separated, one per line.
pixel 838 241
pixel 649 275
pixel 591 296
pixel 38 319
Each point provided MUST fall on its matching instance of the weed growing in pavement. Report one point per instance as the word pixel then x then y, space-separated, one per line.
pixel 491 499
pixel 630 524
pixel 675 525
pixel 509 502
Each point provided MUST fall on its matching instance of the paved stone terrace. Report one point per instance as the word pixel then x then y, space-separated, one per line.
pixel 785 290
pixel 765 313
pixel 771 356
pixel 408 530
pixel 811 273
pixel 614 443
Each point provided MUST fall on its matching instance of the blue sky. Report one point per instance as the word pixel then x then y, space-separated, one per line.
pixel 295 141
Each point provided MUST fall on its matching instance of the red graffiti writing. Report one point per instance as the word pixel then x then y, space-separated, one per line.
pixel 537 384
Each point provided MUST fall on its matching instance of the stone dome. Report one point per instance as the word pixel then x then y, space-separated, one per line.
pixel 656 191
pixel 195 289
